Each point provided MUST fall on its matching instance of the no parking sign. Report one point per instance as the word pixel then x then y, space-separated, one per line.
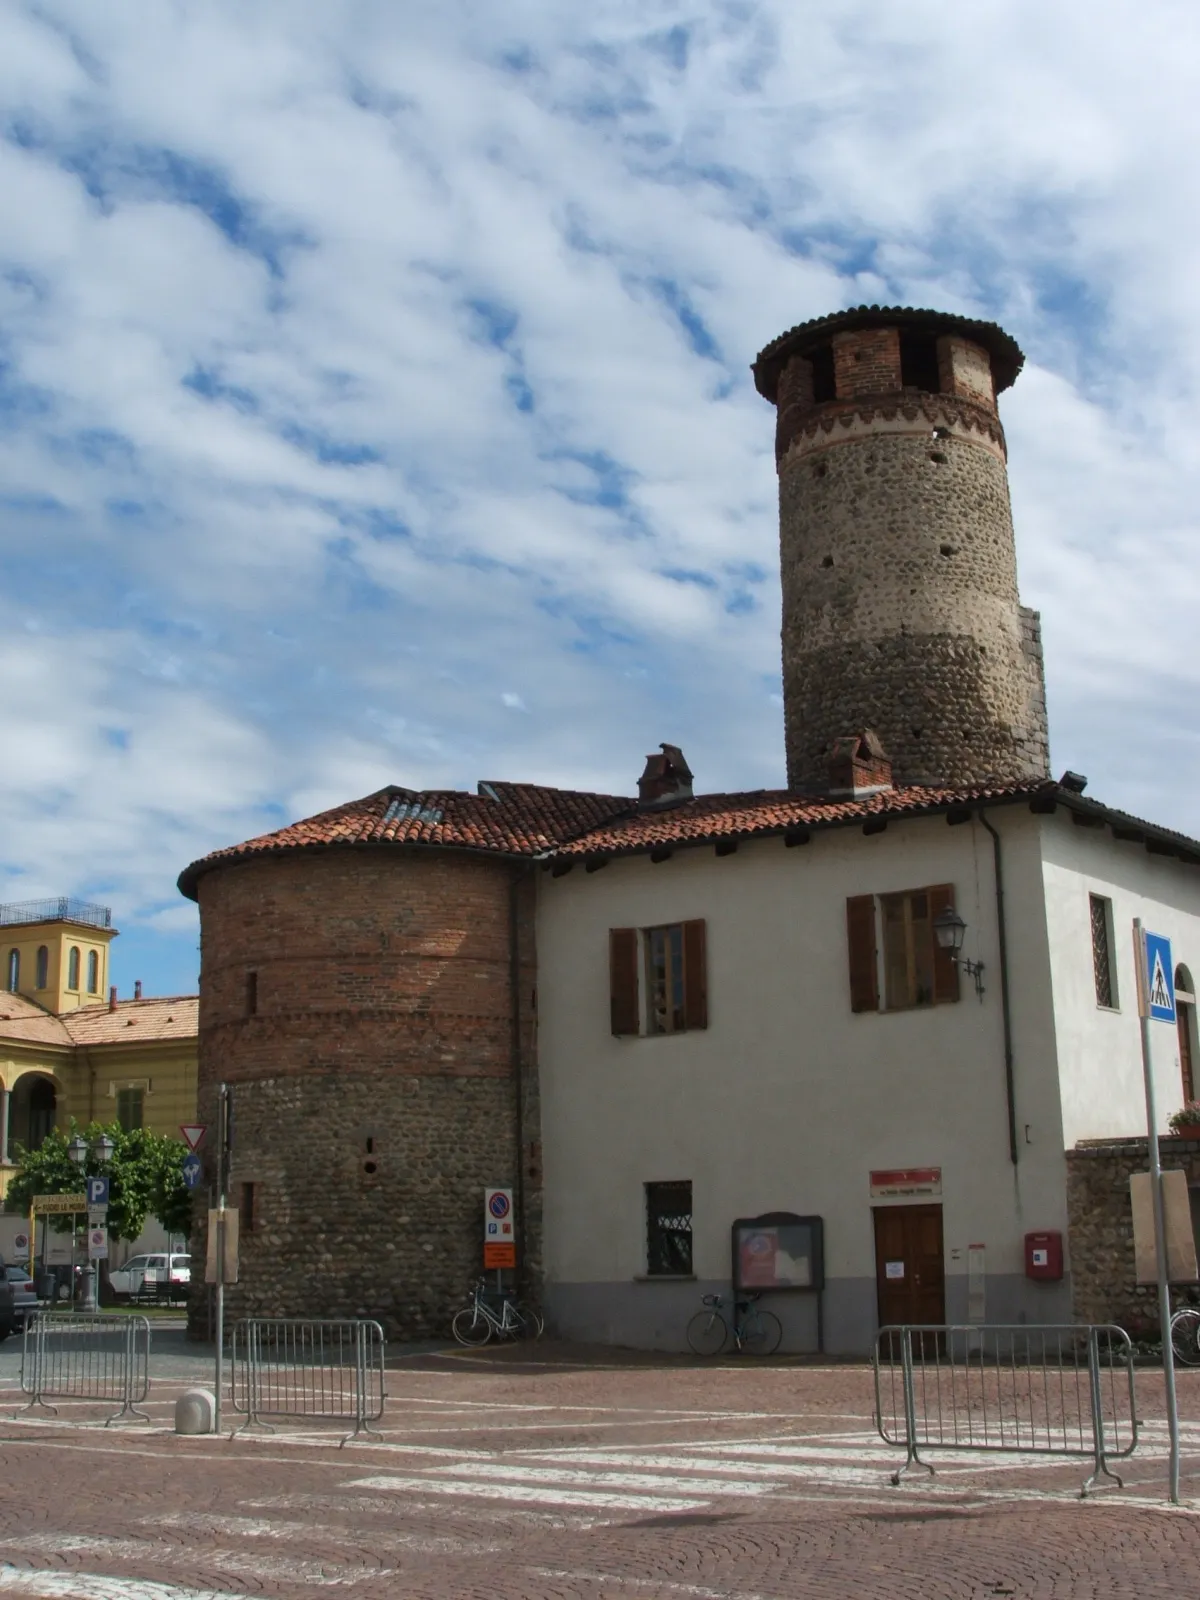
pixel 499 1235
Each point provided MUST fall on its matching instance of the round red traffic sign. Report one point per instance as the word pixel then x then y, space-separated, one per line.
pixel 498 1205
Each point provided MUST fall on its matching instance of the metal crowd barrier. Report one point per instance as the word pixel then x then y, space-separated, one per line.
pixel 287 1367
pixel 1054 1390
pixel 84 1357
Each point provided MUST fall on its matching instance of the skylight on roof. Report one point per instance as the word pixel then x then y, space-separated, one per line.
pixel 411 811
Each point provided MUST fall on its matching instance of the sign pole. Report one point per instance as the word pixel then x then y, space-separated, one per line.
pixel 1160 1228
pixel 222 1152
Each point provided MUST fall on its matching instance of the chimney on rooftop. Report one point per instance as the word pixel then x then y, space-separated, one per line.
pixel 667 780
pixel 858 766
pixel 137 988
pixel 112 998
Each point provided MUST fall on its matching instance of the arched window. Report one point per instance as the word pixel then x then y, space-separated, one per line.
pixel 1185 1027
pixel 14 970
pixel 43 967
pixel 93 972
pixel 73 968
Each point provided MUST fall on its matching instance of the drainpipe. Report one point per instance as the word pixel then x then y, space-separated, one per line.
pixel 1005 999
pixel 516 1062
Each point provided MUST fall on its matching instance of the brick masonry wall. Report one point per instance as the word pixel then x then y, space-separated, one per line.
pixel 866 362
pixel 1101 1228
pixel 900 604
pixel 373 1085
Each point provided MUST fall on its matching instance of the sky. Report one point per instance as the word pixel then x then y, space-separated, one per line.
pixel 375 402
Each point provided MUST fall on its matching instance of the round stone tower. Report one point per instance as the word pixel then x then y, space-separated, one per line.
pixel 366 992
pixel 900 604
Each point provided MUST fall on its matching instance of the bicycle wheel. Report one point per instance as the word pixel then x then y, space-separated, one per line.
pixel 707 1333
pixel 530 1323
pixel 470 1326
pixel 761 1334
pixel 1185 1336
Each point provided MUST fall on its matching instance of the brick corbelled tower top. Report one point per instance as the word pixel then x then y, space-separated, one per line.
pixel 900 603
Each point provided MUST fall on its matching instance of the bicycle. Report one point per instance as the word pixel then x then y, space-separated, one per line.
pixel 1185 1335
pixel 480 1320
pixel 755 1332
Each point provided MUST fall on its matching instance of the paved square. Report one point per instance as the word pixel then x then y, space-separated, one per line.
pixel 557 1472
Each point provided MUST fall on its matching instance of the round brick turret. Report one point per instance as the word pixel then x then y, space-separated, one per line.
pixel 360 1002
pixel 900 604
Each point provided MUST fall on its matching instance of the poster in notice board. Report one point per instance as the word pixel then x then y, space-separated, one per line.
pixel 779 1250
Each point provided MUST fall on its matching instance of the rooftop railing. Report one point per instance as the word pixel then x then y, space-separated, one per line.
pixel 63 909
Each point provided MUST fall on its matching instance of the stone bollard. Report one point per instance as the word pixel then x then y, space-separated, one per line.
pixel 194 1411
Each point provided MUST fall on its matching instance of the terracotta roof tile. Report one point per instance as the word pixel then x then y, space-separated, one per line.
pixel 512 819
pixel 135 1021
pixel 769 811
pixel 25 1022
pixel 529 821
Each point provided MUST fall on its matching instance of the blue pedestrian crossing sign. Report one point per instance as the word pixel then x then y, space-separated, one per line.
pixel 1159 979
pixel 192 1169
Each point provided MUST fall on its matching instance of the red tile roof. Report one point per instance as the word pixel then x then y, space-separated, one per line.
pixel 511 819
pixel 528 821
pixel 153 1019
pixel 23 1021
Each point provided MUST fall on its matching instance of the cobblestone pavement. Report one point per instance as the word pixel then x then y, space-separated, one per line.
pixel 566 1473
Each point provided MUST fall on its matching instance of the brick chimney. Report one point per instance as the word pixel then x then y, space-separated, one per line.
pixel 112 998
pixel 137 988
pixel 667 780
pixel 858 766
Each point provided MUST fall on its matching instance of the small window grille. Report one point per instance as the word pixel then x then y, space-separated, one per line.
pixel 1106 987
pixel 668 1229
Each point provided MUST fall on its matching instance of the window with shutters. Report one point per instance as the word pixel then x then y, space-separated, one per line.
pixel 891 937
pixel 130 1103
pixel 658 978
pixel 1102 946
pixel 669 1229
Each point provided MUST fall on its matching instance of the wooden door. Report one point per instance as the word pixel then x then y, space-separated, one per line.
pixel 909 1269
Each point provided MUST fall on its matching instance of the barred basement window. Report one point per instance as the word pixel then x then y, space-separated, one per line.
pixel 1102 962
pixel 669 1229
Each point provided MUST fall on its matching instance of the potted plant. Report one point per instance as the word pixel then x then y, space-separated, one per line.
pixel 1186 1123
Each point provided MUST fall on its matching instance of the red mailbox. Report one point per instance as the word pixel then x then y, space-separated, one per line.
pixel 1043 1255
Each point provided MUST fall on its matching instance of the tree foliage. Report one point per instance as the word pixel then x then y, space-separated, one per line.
pixel 145 1177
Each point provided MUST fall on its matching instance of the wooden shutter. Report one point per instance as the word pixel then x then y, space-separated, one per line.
pixel 945 967
pixel 623 980
pixel 864 967
pixel 695 975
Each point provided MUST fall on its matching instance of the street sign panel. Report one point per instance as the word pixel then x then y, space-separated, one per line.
pixel 97 1192
pixel 499 1232
pixel 97 1244
pixel 193 1133
pixel 1160 978
pixel 57 1204
pixel 192 1170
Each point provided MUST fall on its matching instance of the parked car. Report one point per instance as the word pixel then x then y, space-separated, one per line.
pixel 25 1300
pixel 8 1308
pixel 151 1274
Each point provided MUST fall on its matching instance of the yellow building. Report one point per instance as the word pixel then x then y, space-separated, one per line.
pixel 66 1050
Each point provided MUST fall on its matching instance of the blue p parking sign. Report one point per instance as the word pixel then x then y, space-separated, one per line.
pixel 1159 979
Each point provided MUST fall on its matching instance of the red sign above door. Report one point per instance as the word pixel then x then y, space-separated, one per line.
pixel 906 1180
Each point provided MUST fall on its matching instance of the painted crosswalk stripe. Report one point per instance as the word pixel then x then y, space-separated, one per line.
pixel 100 1586
pixel 529 1494
pixel 581 1477
pixel 654 1462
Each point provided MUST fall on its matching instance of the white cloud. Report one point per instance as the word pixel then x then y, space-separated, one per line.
pixel 357 363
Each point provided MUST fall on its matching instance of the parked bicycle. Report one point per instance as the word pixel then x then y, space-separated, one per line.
pixel 755 1332
pixel 492 1315
pixel 1185 1335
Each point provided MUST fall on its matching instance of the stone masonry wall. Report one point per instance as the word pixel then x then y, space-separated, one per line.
pixel 372 1071
pixel 1101 1228
pixel 900 607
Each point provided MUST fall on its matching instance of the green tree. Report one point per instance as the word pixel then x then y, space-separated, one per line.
pixel 145 1177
